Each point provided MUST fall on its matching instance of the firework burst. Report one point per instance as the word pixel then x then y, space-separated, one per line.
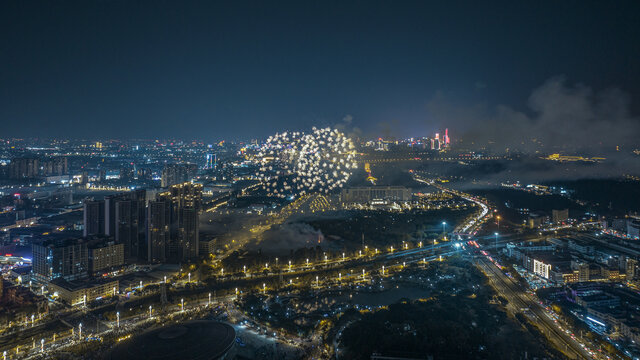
pixel 298 163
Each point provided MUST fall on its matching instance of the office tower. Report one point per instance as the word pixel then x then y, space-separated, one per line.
pixel 173 174
pixel 433 144
pixel 158 230
pixel 94 217
pixel 66 258
pixel 446 137
pixel 211 161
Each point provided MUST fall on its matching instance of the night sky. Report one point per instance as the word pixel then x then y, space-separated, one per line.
pixel 237 70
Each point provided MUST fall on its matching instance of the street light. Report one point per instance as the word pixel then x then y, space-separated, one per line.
pixel 118 319
pixel 342 256
pixel 114 291
pixel 209 299
pixel 362 274
pixel 41 345
pixel 496 234
pixel 382 269
pixel 339 276
pixel 264 288
pixel 80 331
pixel 182 305
pixel 444 224
pixel 317 281
pixel 307 262
pixel 189 277
pixel 222 271
pixel 149 311
pixel 165 279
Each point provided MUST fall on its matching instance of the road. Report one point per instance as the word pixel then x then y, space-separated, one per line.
pixel 519 300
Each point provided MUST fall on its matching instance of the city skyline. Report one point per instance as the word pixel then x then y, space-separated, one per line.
pixel 380 69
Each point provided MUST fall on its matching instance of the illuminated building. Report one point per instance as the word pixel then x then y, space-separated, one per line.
pixel 369 193
pixel 212 161
pixel 105 255
pixel 177 173
pixel 77 293
pixel 66 258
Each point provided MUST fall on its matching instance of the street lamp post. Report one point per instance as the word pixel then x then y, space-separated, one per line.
pixel 118 319
pixel 189 277
pixel 209 299
pixel 382 269
pixel 80 331
pixel 41 345
pixel 182 305
pixel 496 234
pixel 317 281
pixel 149 311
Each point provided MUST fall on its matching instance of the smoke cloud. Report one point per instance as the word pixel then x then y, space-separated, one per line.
pixel 559 117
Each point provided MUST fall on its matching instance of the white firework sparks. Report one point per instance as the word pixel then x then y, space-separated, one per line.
pixel 297 163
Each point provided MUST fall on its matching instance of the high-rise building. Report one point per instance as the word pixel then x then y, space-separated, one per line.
pixel 631 268
pixel 158 230
pixel 211 161
pixel 189 233
pixel 173 174
pixel 185 202
pixel 54 166
pixel 125 220
pixel 24 168
pixel 94 217
pixel 66 258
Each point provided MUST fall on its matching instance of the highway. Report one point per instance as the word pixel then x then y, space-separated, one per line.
pixel 519 300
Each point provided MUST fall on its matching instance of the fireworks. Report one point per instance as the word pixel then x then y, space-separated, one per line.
pixel 297 163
